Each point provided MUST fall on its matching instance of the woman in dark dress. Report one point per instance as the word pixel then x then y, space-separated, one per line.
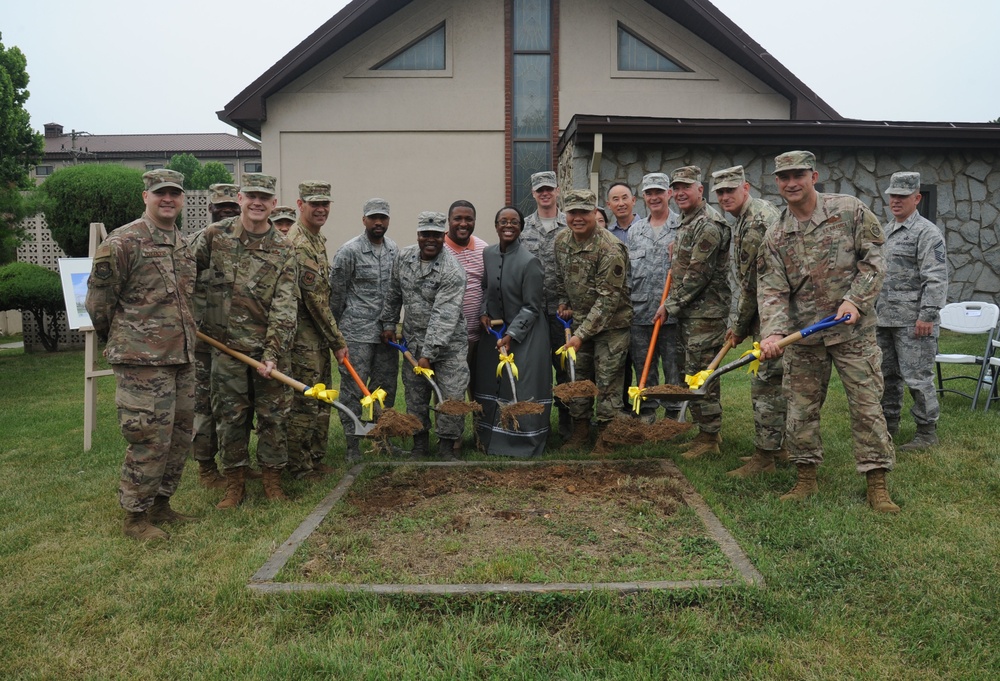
pixel 514 287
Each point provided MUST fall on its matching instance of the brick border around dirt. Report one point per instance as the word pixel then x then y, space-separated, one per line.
pixel 263 580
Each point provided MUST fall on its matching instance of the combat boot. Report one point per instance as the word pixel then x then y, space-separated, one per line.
pixel 138 527
pixel 926 437
pixel 160 513
pixel 209 476
pixel 878 493
pixel 760 463
pixel 235 488
pixel 421 445
pixel 806 485
pixel 580 436
pixel 447 448
pixel 352 454
pixel 321 468
pixel 252 473
pixel 271 481
pixel 702 445
pixel 602 447
pixel 780 456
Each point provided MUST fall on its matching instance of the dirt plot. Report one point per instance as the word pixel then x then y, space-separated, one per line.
pixel 588 522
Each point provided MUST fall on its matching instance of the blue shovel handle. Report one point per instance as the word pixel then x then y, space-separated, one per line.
pixel 498 334
pixel 825 323
pixel 401 345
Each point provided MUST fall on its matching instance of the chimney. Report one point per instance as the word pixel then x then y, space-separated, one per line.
pixel 53 130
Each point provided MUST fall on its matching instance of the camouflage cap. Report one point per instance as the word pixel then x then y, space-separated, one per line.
pixel 546 178
pixel 283 213
pixel 579 199
pixel 730 178
pixel 904 184
pixel 376 207
pixel 258 182
pixel 158 179
pixel 223 193
pixel 432 221
pixel 686 175
pixel 314 191
pixel 655 181
pixel 794 160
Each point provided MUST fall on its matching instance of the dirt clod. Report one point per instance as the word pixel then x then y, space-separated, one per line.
pixel 394 424
pixel 457 408
pixel 510 412
pixel 629 431
pixel 568 391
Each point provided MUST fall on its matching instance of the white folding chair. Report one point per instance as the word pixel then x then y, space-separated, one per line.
pixel 993 374
pixel 975 318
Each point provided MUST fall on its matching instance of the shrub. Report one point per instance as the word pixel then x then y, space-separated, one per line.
pixel 34 289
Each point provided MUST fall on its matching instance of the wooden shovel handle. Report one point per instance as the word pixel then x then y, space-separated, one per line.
pixel 246 359
pixel 726 347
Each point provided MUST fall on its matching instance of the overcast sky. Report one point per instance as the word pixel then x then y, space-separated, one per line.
pixel 120 66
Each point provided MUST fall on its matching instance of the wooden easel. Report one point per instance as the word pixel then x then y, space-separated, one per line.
pixel 90 371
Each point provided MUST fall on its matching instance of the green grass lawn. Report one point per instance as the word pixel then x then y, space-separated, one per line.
pixel 850 594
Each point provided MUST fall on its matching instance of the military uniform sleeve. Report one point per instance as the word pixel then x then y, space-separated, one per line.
pixel 316 303
pixel 868 240
pixel 341 272
pixel 103 289
pixel 612 279
pixel 746 309
pixel 773 292
pixel 932 259
pixel 393 299
pixel 560 275
pixel 531 292
pixel 447 308
pixel 704 261
pixel 281 319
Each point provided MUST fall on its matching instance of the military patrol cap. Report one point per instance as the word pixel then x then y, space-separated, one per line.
pixel 223 193
pixel 258 182
pixel 904 184
pixel 158 179
pixel 314 191
pixel 579 199
pixel 730 178
pixel 546 178
pixel 794 160
pixel 431 221
pixel 376 207
pixel 655 181
pixel 686 175
pixel 283 213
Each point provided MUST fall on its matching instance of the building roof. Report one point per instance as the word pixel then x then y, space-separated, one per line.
pixel 199 144
pixel 248 110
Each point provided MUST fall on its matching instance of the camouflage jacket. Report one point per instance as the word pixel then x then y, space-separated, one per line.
pixel 139 296
pixel 648 253
pixel 916 273
pixel 314 287
pixel 433 293
pixel 700 286
pixel 540 243
pixel 592 279
pixel 806 270
pixel 251 296
pixel 748 233
pixel 359 284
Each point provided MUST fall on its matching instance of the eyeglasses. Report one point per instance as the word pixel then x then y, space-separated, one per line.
pixel 508 223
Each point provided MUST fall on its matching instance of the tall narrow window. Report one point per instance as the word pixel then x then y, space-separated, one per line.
pixel 531 96
pixel 635 54
pixel 426 53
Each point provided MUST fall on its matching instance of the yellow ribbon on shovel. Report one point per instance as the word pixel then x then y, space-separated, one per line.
pixel 320 392
pixel 635 395
pixel 368 403
pixel 754 366
pixel 421 371
pixel 566 350
pixel 507 359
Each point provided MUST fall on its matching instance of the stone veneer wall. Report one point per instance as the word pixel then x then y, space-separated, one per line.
pixel 41 249
pixel 967 186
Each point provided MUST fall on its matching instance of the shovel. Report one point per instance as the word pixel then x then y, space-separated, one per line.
pixel 370 398
pixel 699 378
pixel 573 389
pixel 636 393
pixel 567 352
pixel 506 360
pixel 417 369
pixel 319 391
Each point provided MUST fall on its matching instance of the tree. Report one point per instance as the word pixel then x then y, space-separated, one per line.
pixel 34 289
pixel 187 165
pixel 74 197
pixel 20 147
pixel 209 174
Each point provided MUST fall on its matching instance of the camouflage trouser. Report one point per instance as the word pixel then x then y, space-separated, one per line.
pixel 770 406
pixel 155 413
pixel 807 374
pixel 378 366
pixel 908 361
pixel 238 392
pixel 665 354
pixel 205 443
pixel 701 339
pixel 451 374
pixel 309 424
pixel 602 360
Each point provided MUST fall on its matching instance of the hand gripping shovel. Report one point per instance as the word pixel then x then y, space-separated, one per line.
pixel 566 352
pixel 636 393
pixel 573 389
pixel 506 360
pixel 417 369
pixel 319 391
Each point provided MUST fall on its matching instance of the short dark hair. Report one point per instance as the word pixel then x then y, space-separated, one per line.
pixel 620 184
pixel 517 210
pixel 461 203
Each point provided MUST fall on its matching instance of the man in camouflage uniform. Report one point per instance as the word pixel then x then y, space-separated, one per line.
pixel 250 306
pixel 430 283
pixel 592 270
pixel 283 218
pixel 753 217
pixel 139 300
pixel 316 334
pixel 699 298
pixel 908 310
pixel 222 204
pixel 539 236
pixel 359 283
pixel 649 241
pixel 824 255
